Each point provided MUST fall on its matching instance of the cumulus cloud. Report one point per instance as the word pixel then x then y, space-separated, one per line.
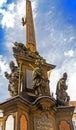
pixel 8 20
pixel 2 2
pixel 8 16
pixel 3 82
pixel 11 7
pixel 3 65
pixel 13 13
pixel 3 89
pixel 69 53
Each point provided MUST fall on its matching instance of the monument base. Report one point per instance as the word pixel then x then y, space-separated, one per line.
pixel 42 114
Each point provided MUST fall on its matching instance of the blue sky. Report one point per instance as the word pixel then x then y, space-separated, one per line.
pixel 55 27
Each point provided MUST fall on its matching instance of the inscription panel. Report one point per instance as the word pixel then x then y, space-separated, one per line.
pixel 43 123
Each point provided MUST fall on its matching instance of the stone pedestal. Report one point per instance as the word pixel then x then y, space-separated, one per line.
pixel 64 118
pixel 42 114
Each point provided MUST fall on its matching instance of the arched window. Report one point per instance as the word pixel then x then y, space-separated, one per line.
pixel 23 123
pixel 9 123
pixel 64 125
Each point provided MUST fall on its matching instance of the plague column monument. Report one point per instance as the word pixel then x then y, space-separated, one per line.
pixel 30 106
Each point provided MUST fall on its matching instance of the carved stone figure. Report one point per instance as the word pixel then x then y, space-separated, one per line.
pixel 23 21
pixel 62 96
pixel 19 48
pixel 40 84
pixel 37 79
pixel 13 78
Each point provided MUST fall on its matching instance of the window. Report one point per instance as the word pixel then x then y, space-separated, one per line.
pixel 10 123
pixel 64 125
pixel 23 123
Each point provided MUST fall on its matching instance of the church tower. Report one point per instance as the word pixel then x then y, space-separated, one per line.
pixel 31 106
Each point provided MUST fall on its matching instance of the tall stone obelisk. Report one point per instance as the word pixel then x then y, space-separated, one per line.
pixel 30 32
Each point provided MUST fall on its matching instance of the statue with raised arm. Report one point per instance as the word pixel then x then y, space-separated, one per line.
pixel 37 78
pixel 40 83
pixel 13 78
pixel 61 94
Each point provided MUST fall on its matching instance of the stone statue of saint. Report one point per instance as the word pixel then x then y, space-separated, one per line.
pixel 13 78
pixel 37 79
pixel 40 83
pixel 61 94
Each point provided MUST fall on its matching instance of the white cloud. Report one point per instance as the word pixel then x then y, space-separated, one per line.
pixel 71 38
pixel 3 65
pixel 34 7
pixel 69 53
pixel 8 16
pixel 11 7
pixel 8 20
pixel 72 85
pixel 2 2
pixel 14 13
pixel 20 9
pixel 54 77
pixel 3 89
pixel 2 11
